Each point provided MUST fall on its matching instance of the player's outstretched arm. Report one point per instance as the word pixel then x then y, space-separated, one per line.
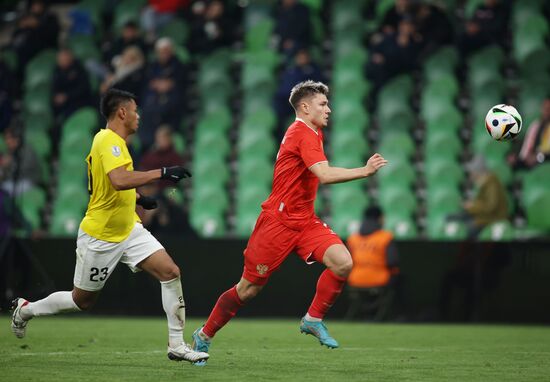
pixel 122 179
pixel 329 175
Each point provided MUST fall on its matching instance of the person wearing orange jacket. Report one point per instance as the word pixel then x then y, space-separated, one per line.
pixel 375 265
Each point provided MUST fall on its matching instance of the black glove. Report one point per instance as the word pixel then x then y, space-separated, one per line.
pixel 174 173
pixel 147 202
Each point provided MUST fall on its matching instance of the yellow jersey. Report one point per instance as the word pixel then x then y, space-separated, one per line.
pixel 111 214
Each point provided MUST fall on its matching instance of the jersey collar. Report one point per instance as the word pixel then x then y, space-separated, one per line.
pixel 304 122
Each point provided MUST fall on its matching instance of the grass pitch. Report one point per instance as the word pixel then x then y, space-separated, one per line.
pixel 83 348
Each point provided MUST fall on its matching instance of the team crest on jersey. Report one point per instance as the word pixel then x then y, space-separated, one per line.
pixel 262 269
pixel 116 151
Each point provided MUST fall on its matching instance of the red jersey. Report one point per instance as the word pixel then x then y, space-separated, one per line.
pixel 294 188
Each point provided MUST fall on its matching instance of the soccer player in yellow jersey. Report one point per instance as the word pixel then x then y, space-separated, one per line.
pixel 111 231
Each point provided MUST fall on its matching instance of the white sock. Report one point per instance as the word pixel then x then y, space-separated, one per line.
pixel 174 307
pixel 58 302
pixel 314 319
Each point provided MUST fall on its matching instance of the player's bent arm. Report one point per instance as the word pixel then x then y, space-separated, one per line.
pixel 122 179
pixel 329 175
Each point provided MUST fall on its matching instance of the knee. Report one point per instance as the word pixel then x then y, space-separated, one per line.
pixel 343 267
pixel 249 292
pixel 84 303
pixel 170 273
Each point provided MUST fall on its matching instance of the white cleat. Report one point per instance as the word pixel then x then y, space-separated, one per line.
pixel 18 324
pixel 184 353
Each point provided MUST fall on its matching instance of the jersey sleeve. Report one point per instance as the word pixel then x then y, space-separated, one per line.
pixel 311 150
pixel 112 155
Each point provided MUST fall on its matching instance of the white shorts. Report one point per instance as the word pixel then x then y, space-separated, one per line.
pixel 97 259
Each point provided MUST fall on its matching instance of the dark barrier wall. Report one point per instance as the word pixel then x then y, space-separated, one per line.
pixel 485 282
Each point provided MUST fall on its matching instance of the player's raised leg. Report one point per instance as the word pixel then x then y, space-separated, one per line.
pixel 163 268
pixel 226 308
pixel 329 286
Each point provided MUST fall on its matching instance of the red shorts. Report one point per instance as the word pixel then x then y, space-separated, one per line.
pixel 271 242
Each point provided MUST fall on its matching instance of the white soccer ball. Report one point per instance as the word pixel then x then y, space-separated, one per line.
pixel 503 122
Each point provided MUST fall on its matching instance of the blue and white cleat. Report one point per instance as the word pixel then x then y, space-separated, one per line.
pixel 200 345
pixel 319 330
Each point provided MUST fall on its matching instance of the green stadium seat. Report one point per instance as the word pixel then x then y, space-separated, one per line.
pixel 537 177
pixel 40 141
pixel 38 72
pixel 442 145
pixel 346 222
pixel 349 115
pixel 443 201
pixel 257 37
pixel 346 18
pixel 350 142
pixel 403 228
pixel 440 229
pixel 399 88
pixel 212 141
pixel 451 171
pixel 218 120
pixel 207 224
pixel 400 201
pixel 246 219
pixel 177 30
pixel 259 144
pixel 261 119
pixel 441 63
pixel 499 231
pixel 84 47
pixel 179 143
pixel 397 174
pixel 127 10
pixel 210 198
pixel 397 144
pixel 204 168
pixel 37 102
pixel 9 57
pixel 348 196
pixel 65 220
pixel 537 207
pixel 255 170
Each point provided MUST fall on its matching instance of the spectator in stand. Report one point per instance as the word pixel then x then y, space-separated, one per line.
pixel 396 53
pixel 489 204
pixel 129 71
pixel 129 36
pixel 210 29
pixel 292 27
pixel 487 26
pixel 434 26
pixel 157 14
pixel 536 144
pixel 70 86
pixel 36 30
pixel 7 94
pixel 400 10
pixel 19 166
pixel 164 91
pixel 301 70
pixel 162 152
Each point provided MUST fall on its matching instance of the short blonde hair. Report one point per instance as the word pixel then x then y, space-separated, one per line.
pixel 306 89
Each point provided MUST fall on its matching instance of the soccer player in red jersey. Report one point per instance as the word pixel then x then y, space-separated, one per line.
pixel 288 222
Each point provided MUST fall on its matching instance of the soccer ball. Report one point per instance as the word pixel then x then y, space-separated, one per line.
pixel 503 122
